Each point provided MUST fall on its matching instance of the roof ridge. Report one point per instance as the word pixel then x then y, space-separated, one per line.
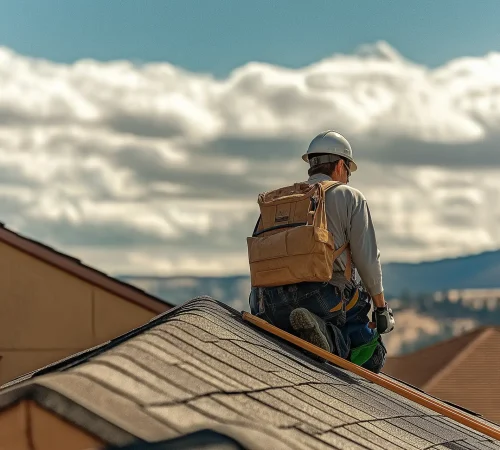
pixel 460 356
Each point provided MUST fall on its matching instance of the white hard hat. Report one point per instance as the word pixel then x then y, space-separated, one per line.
pixel 332 143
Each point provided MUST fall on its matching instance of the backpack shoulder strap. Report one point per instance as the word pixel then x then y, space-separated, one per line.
pixel 327 185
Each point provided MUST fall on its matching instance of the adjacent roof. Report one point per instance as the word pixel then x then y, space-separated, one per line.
pixel 76 268
pixel 199 366
pixel 463 370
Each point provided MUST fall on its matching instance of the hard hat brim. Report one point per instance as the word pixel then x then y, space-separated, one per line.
pixel 353 166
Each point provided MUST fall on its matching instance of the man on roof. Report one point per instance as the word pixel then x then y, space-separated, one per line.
pixel 314 261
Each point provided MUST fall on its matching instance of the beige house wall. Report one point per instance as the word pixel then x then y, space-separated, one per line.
pixel 47 314
pixel 26 426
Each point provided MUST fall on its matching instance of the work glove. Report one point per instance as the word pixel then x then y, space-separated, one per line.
pixel 384 319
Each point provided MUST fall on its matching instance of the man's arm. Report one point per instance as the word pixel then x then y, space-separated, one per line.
pixel 379 300
pixel 366 257
pixel 365 253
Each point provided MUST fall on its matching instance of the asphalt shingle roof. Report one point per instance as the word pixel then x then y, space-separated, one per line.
pixel 199 366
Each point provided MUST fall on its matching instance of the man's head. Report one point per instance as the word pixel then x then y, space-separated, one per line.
pixel 337 170
pixel 330 153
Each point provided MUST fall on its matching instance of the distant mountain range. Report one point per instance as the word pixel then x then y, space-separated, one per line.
pixel 481 271
pixel 412 288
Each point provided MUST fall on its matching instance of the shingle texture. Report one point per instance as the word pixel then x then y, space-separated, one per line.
pixel 200 366
pixel 463 370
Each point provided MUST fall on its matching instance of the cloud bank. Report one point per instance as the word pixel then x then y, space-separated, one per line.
pixel 150 169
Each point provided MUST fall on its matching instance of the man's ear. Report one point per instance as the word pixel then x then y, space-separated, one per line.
pixel 338 167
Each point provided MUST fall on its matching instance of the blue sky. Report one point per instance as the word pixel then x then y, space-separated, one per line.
pixel 219 35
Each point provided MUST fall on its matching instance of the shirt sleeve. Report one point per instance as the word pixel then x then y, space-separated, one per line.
pixel 364 250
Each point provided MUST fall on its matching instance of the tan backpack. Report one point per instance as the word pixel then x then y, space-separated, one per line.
pixel 291 242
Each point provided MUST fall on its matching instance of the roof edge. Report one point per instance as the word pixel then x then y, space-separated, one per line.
pixel 74 267
pixel 78 416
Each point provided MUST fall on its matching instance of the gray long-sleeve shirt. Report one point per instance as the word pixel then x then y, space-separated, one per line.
pixel 349 219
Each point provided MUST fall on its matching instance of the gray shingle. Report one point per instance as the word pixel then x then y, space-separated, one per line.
pixel 130 387
pixel 217 352
pixel 309 442
pixel 242 330
pixel 234 373
pixel 222 385
pixel 452 446
pixel 157 352
pixel 410 427
pixel 348 395
pixel 437 428
pixel 363 436
pixel 401 400
pixel 157 347
pixel 491 445
pixel 319 375
pixel 196 333
pixel 282 363
pixel 208 326
pixel 282 401
pixel 299 400
pixel 213 408
pixel 383 402
pixel 460 445
pixel 334 403
pixel 340 442
pixel 184 379
pixel 399 433
pixel 471 434
pixel 180 417
pixel 257 410
pixel 131 369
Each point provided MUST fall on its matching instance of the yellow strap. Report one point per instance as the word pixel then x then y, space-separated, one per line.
pixel 337 308
pixel 353 301
pixel 348 266
pixel 339 251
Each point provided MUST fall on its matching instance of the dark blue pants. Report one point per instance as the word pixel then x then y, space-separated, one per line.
pixel 345 314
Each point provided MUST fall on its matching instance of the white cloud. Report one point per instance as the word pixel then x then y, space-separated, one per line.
pixel 155 169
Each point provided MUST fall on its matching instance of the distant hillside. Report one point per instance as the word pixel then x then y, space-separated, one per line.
pixel 421 320
pixel 467 272
pixel 232 290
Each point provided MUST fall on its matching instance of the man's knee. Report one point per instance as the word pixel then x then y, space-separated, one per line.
pixel 377 360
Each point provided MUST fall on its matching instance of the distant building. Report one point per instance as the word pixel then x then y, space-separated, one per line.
pixel 464 370
pixel 52 305
pixel 474 298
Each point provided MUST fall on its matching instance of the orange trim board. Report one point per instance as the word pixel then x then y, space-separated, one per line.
pixel 410 394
